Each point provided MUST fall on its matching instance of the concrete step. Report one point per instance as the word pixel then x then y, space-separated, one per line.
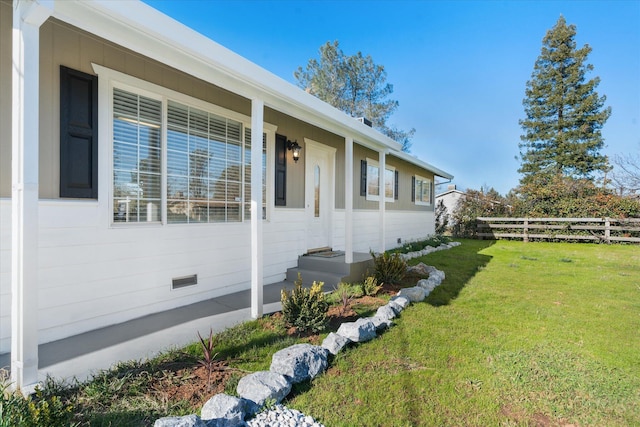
pixel 330 265
pixel 330 270
pixel 330 279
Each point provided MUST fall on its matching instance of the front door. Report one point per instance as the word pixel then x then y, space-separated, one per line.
pixel 319 196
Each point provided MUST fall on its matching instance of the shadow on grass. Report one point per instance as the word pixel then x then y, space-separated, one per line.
pixel 460 264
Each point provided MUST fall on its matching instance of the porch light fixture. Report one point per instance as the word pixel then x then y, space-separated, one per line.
pixel 295 147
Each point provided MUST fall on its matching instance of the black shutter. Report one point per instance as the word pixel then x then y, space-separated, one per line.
pixel 281 171
pixel 395 185
pixel 413 188
pixel 363 178
pixel 432 184
pixel 78 134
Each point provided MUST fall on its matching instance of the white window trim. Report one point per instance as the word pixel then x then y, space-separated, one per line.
pixel 423 179
pixel 376 198
pixel 110 79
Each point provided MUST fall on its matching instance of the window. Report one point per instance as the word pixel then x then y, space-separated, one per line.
pixel 207 173
pixel 316 191
pixel 137 128
pixel 373 181
pixel 423 190
pixel 204 166
pixel 247 174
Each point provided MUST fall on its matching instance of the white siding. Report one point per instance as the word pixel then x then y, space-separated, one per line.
pixel 406 225
pixel 92 275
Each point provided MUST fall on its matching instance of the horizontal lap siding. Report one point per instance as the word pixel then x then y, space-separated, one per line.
pixel 283 241
pixel 406 225
pixel 92 275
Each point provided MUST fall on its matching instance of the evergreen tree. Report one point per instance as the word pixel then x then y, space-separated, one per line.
pixel 564 112
pixel 355 85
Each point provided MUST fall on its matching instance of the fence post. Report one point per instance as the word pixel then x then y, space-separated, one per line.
pixel 607 230
pixel 525 230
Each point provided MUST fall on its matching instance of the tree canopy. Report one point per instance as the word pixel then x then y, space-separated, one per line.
pixel 564 113
pixel 355 85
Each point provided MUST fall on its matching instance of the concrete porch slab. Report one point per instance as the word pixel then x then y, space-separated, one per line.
pixel 82 355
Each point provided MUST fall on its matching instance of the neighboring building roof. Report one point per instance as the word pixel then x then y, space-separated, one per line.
pixel 450 190
pixel 143 29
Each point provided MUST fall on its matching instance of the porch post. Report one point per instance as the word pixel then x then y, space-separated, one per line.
pixel 381 202
pixel 257 117
pixel 27 19
pixel 348 200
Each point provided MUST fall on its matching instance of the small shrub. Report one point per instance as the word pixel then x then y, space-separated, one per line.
pixel 304 308
pixel 344 293
pixel 389 268
pixel 370 286
pixel 208 356
pixel 17 410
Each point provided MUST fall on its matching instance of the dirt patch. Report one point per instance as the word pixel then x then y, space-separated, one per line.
pixel 193 384
pixel 537 420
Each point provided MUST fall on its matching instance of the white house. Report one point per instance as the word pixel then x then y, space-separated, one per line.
pixel 449 199
pixel 144 167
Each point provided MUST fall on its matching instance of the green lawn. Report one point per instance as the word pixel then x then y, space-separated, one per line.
pixel 517 334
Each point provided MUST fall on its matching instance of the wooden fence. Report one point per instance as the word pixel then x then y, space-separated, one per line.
pixel 605 230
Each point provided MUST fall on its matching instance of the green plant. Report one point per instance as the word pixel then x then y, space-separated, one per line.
pixel 370 286
pixel 208 356
pixel 344 292
pixel 17 410
pixel 304 308
pixel 389 268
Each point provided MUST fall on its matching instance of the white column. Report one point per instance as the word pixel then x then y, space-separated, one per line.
pixel 381 202
pixel 27 18
pixel 257 118
pixel 348 200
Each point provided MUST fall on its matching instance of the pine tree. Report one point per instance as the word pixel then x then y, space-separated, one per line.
pixel 355 85
pixel 564 112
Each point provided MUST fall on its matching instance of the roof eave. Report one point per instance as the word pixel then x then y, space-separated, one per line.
pixel 143 29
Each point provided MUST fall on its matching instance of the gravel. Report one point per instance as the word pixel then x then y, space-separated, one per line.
pixel 281 416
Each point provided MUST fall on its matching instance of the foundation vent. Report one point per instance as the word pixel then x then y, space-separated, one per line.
pixel 184 281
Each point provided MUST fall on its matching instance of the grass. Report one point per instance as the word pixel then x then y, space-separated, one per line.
pixel 518 334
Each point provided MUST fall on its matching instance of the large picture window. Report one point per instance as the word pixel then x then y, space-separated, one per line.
pixel 208 163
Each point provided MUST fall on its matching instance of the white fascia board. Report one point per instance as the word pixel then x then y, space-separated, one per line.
pixel 416 161
pixel 145 30
pixel 449 192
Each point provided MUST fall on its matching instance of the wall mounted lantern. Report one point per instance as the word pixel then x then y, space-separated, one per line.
pixel 295 147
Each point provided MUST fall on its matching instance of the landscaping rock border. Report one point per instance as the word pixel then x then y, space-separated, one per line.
pixel 300 362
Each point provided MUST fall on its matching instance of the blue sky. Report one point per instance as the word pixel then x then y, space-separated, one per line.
pixel 458 68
